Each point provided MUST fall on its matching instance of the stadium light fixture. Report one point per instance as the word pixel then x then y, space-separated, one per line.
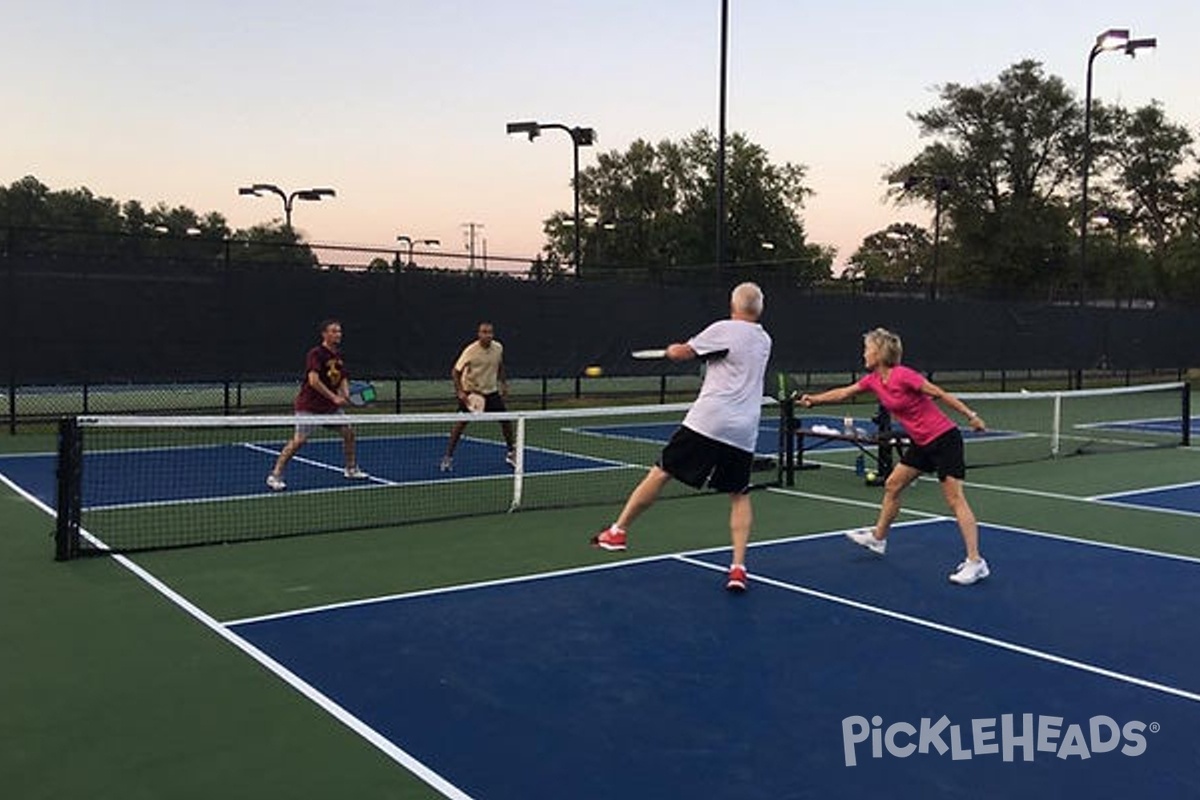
pixel 409 241
pixel 257 190
pixel 580 137
pixel 1108 41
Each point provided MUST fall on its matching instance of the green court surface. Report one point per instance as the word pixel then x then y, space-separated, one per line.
pixel 112 689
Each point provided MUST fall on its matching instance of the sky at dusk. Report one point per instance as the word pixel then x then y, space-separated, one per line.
pixel 400 105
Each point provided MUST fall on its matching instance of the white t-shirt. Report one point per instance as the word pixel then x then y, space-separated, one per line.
pixel 730 401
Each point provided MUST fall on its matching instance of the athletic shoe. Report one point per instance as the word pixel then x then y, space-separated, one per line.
pixel 611 538
pixel 866 538
pixel 737 579
pixel 355 474
pixel 275 484
pixel 970 571
pixel 446 465
pixel 510 458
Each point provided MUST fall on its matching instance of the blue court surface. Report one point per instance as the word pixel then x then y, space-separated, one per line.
pixel 173 474
pixel 1184 498
pixel 1072 671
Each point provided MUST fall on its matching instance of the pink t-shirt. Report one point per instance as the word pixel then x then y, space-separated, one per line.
pixel 901 395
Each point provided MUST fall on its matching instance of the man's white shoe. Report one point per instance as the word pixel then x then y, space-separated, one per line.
pixel 355 474
pixel 275 484
pixel 866 538
pixel 970 571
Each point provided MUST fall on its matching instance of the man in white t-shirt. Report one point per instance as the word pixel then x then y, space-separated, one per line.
pixel 716 442
pixel 479 370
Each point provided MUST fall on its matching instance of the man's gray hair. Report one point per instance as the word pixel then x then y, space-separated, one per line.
pixel 747 298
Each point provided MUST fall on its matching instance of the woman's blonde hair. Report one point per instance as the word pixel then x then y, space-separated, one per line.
pixel 890 348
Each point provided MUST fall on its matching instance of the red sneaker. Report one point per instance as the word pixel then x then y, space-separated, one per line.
pixel 609 539
pixel 737 579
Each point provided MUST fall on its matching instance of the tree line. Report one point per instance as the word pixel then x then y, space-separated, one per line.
pixel 1000 177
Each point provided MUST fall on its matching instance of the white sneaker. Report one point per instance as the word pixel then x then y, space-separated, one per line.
pixel 355 474
pixel 510 458
pixel 446 465
pixel 275 484
pixel 866 538
pixel 970 571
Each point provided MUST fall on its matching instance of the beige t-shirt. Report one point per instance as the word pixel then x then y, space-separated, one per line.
pixel 480 367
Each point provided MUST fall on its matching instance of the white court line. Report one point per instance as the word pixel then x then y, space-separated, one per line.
pixel 1163 488
pixel 530 578
pixel 463 587
pixel 381 742
pixel 313 463
pixel 960 632
pixel 1180 512
pixel 1124 548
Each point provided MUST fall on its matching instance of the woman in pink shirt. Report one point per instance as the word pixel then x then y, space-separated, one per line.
pixel 937 444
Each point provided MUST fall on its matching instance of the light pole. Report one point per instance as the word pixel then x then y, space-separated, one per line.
pixel 580 137
pixel 940 184
pixel 288 199
pixel 1112 39
pixel 425 242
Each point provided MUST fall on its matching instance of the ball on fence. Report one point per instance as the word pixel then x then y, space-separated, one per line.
pixel 593 371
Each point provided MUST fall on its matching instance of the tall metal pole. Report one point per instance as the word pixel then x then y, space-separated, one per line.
pixel 937 237
pixel 575 143
pixel 1087 167
pixel 720 254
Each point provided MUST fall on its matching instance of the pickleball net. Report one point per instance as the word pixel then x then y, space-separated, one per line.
pixel 1032 426
pixel 129 484
pixel 1025 427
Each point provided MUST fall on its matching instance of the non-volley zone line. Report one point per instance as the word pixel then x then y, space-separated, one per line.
pixel 1177 498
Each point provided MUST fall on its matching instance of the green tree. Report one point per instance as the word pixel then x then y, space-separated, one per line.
pixel 898 255
pixel 1148 155
pixel 114 235
pixel 652 209
pixel 1011 149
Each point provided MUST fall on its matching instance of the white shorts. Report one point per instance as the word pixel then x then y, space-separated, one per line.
pixel 306 429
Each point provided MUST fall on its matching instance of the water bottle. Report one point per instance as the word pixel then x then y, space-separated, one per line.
pixel 860 466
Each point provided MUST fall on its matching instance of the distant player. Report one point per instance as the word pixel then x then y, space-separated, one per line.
pixel 716 442
pixel 480 370
pixel 325 390
pixel 937 444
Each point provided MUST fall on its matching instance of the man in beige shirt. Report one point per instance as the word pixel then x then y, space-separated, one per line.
pixel 479 373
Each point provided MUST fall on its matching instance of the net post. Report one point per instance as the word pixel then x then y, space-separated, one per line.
pixel 519 468
pixel 1056 426
pixel 70 480
pixel 1186 402
pixel 787 441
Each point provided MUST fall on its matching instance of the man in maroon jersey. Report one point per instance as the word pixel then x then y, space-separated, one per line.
pixel 325 390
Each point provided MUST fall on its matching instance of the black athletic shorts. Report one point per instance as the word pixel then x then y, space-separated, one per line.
pixel 696 459
pixel 493 402
pixel 944 455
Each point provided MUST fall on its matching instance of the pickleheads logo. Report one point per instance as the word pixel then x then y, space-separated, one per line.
pixel 1029 734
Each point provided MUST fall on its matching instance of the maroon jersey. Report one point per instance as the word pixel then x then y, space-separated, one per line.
pixel 332 371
